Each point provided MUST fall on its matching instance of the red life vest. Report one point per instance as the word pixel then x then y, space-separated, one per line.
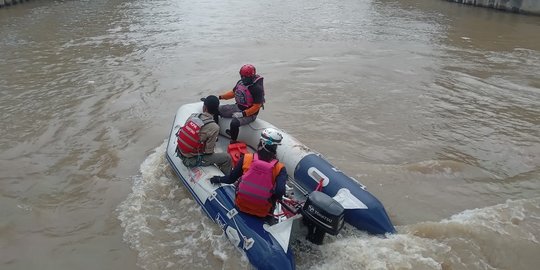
pixel 236 150
pixel 188 137
pixel 242 95
pixel 254 193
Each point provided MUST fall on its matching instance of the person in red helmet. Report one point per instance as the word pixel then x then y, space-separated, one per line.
pixel 249 96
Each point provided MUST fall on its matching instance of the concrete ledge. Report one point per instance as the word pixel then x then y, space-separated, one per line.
pixel 5 3
pixel 518 6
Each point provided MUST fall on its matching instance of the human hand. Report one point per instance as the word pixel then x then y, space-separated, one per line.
pixel 237 115
pixel 215 180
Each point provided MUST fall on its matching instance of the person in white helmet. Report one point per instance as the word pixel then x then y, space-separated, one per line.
pixel 261 177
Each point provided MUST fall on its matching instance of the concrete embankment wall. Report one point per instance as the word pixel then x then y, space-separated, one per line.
pixel 4 3
pixel 520 6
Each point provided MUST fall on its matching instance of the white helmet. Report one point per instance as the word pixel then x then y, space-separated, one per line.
pixel 271 136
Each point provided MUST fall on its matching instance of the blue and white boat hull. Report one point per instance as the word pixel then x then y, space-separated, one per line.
pixel 267 247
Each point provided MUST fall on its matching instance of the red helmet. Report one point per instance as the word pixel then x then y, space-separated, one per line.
pixel 247 70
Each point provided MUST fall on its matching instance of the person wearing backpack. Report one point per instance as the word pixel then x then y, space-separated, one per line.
pixel 260 177
pixel 249 96
pixel 197 138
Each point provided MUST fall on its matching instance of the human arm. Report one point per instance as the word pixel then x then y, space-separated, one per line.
pixel 281 181
pixel 252 110
pixel 227 95
pixel 209 134
pixel 233 176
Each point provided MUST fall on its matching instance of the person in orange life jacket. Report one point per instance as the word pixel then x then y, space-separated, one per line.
pixel 249 96
pixel 198 136
pixel 261 177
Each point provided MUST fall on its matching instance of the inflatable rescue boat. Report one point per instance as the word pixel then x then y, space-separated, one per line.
pixel 322 196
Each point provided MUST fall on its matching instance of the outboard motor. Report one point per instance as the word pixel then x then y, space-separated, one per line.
pixel 322 214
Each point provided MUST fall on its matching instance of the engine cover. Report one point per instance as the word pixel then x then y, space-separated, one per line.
pixel 325 212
